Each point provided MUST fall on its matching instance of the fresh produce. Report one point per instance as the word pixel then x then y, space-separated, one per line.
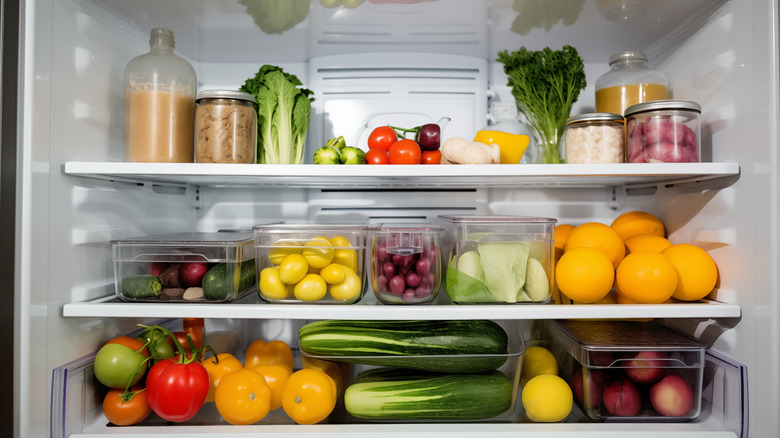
pixel 537 360
pixel 121 362
pixel 125 408
pixel 672 396
pixel 283 110
pixel 352 155
pixel 309 396
pixel 140 286
pixel 545 85
pixel 339 372
pixel 393 394
pixel 405 151
pixel 457 150
pixel 589 392
pixel 427 136
pixel 646 278
pixel 697 273
pixel 635 222
pixel 277 16
pixel 647 367
pixel 377 156
pixel 406 278
pixel 326 155
pixel 621 398
pixel 157 343
pixel 191 274
pixel 431 157
pixel 217 367
pixel 547 398
pixel 336 151
pixel 227 280
pixel 275 375
pixel 459 346
pixel 177 390
pixel 298 271
pixel 243 397
pixel 498 272
pixel 382 137
pixel 584 275
pixel 262 352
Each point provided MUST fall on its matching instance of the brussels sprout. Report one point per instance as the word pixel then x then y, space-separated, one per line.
pixel 326 155
pixel 336 143
pixel 352 155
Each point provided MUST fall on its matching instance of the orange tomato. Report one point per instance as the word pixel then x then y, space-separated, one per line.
pixel 405 151
pixel 309 396
pixel 275 351
pixel 126 411
pixel 217 370
pixel 276 375
pixel 243 397
pixel 431 157
pixel 332 369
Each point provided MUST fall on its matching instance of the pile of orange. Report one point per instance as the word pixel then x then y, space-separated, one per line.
pixel 633 257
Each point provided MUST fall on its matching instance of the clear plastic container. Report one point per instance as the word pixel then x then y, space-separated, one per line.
pixel 655 372
pixel 628 82
pixel 225 127
pixel 311 263
pixel 185 267
pixel 663 131
pixel 594 138
pixel 405 262
pixel 159 104
pixel 499 259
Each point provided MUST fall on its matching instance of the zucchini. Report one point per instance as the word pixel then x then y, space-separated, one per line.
pixel 217 286
pixel 140 286
pixel 468 346
pixel 431 396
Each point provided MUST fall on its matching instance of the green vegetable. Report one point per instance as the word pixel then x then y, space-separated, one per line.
pixel 327 155
pixel 277 16
pixel 537 284
pixel 429 396
pixel 283 114
pixel 470 263
pixel 535 14
pixel 545 85
pixel 457 346
pixel 336 143
pixel 504 264
pixel 352 155
pixel 219 286
pixel 462 288
pixel 140 286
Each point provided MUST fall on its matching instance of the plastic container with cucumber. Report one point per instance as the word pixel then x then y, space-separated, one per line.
pixel 215 267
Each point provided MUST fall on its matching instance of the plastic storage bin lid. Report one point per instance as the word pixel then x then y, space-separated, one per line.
pixel 405 238
pixel 496 219
pixel 215 246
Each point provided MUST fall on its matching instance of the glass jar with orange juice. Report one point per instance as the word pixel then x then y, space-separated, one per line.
pixel 628 82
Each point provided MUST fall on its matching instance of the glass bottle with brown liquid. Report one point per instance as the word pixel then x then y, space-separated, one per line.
pixel 159 104
pixel 628 82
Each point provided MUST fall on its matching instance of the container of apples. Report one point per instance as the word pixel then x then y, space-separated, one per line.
pixel 631 371
pixel 405 262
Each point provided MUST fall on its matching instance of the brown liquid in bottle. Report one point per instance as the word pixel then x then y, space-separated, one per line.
pixel 159 126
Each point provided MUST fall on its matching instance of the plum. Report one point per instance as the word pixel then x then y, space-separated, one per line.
pixel 647 367
pixel 192 273
pixel 672 396
pixel 621 398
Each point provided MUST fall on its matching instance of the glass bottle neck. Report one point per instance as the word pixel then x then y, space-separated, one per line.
pixel 161 45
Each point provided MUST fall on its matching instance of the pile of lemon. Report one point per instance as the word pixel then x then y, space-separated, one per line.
pixel 633 257
pixel 546 397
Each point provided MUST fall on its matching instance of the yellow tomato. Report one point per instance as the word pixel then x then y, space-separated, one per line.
pixel 349 289
pixel 309 396
pixel 271 285
pixel 227 364
pixel 243 397
pixel 334 273
pixel 261 352
pixel 276 375
pixel 293 268
pixel 318 252
pixel 282 249
pixel 311 288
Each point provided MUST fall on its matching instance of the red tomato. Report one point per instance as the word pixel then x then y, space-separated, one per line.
pixel 431 157
pixel 405 151
pixel 126 412
pixel 377 156
pixel 382 138
pixel 176 391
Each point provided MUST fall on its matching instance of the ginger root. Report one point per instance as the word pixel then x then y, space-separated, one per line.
pixel 457 150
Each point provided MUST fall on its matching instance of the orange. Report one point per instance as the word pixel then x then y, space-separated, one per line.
pixel 637 222
pixel 697 272
pixel 598 236
pixel 646 278
pixel 647 242
pixel 561 232
pixel 584 275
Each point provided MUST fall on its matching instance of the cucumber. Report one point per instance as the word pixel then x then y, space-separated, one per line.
pixel 431 396
pixel 469 346
pixel 140 286
pixel 217 286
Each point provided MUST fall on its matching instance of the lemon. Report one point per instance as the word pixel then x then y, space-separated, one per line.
pixel 537 361
pixel 318 252
pixel 349 289
pixel 311 288
pixel 547 398
pixel 334 273
pixel 271 285
pixel 292 268
pixel 281 249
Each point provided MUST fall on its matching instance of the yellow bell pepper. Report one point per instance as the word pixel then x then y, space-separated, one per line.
pixel 227 363
pixel 262 352
pixel 309 396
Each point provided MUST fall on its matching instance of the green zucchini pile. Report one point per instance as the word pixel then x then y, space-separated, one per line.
pixel 428 370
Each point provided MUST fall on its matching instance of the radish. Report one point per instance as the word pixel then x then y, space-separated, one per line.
pixel 191 274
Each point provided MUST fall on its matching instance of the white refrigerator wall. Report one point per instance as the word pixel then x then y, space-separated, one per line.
pixel 74 52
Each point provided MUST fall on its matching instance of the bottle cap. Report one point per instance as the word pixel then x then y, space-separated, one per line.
pixel 622 56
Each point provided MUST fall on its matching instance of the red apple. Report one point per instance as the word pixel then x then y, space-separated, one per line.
pixel 596 381
pixel 191 274
pixel 647 367
pixel 622 398
pixel 672 396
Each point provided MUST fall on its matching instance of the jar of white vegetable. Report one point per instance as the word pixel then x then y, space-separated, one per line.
pixel 594 138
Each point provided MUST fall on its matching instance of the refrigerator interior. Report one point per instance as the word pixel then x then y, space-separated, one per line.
pixel 75 195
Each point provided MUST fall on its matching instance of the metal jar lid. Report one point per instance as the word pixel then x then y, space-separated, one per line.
pixel 626 56
pixel 664 104
pixel 594 117
pixel 225 94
